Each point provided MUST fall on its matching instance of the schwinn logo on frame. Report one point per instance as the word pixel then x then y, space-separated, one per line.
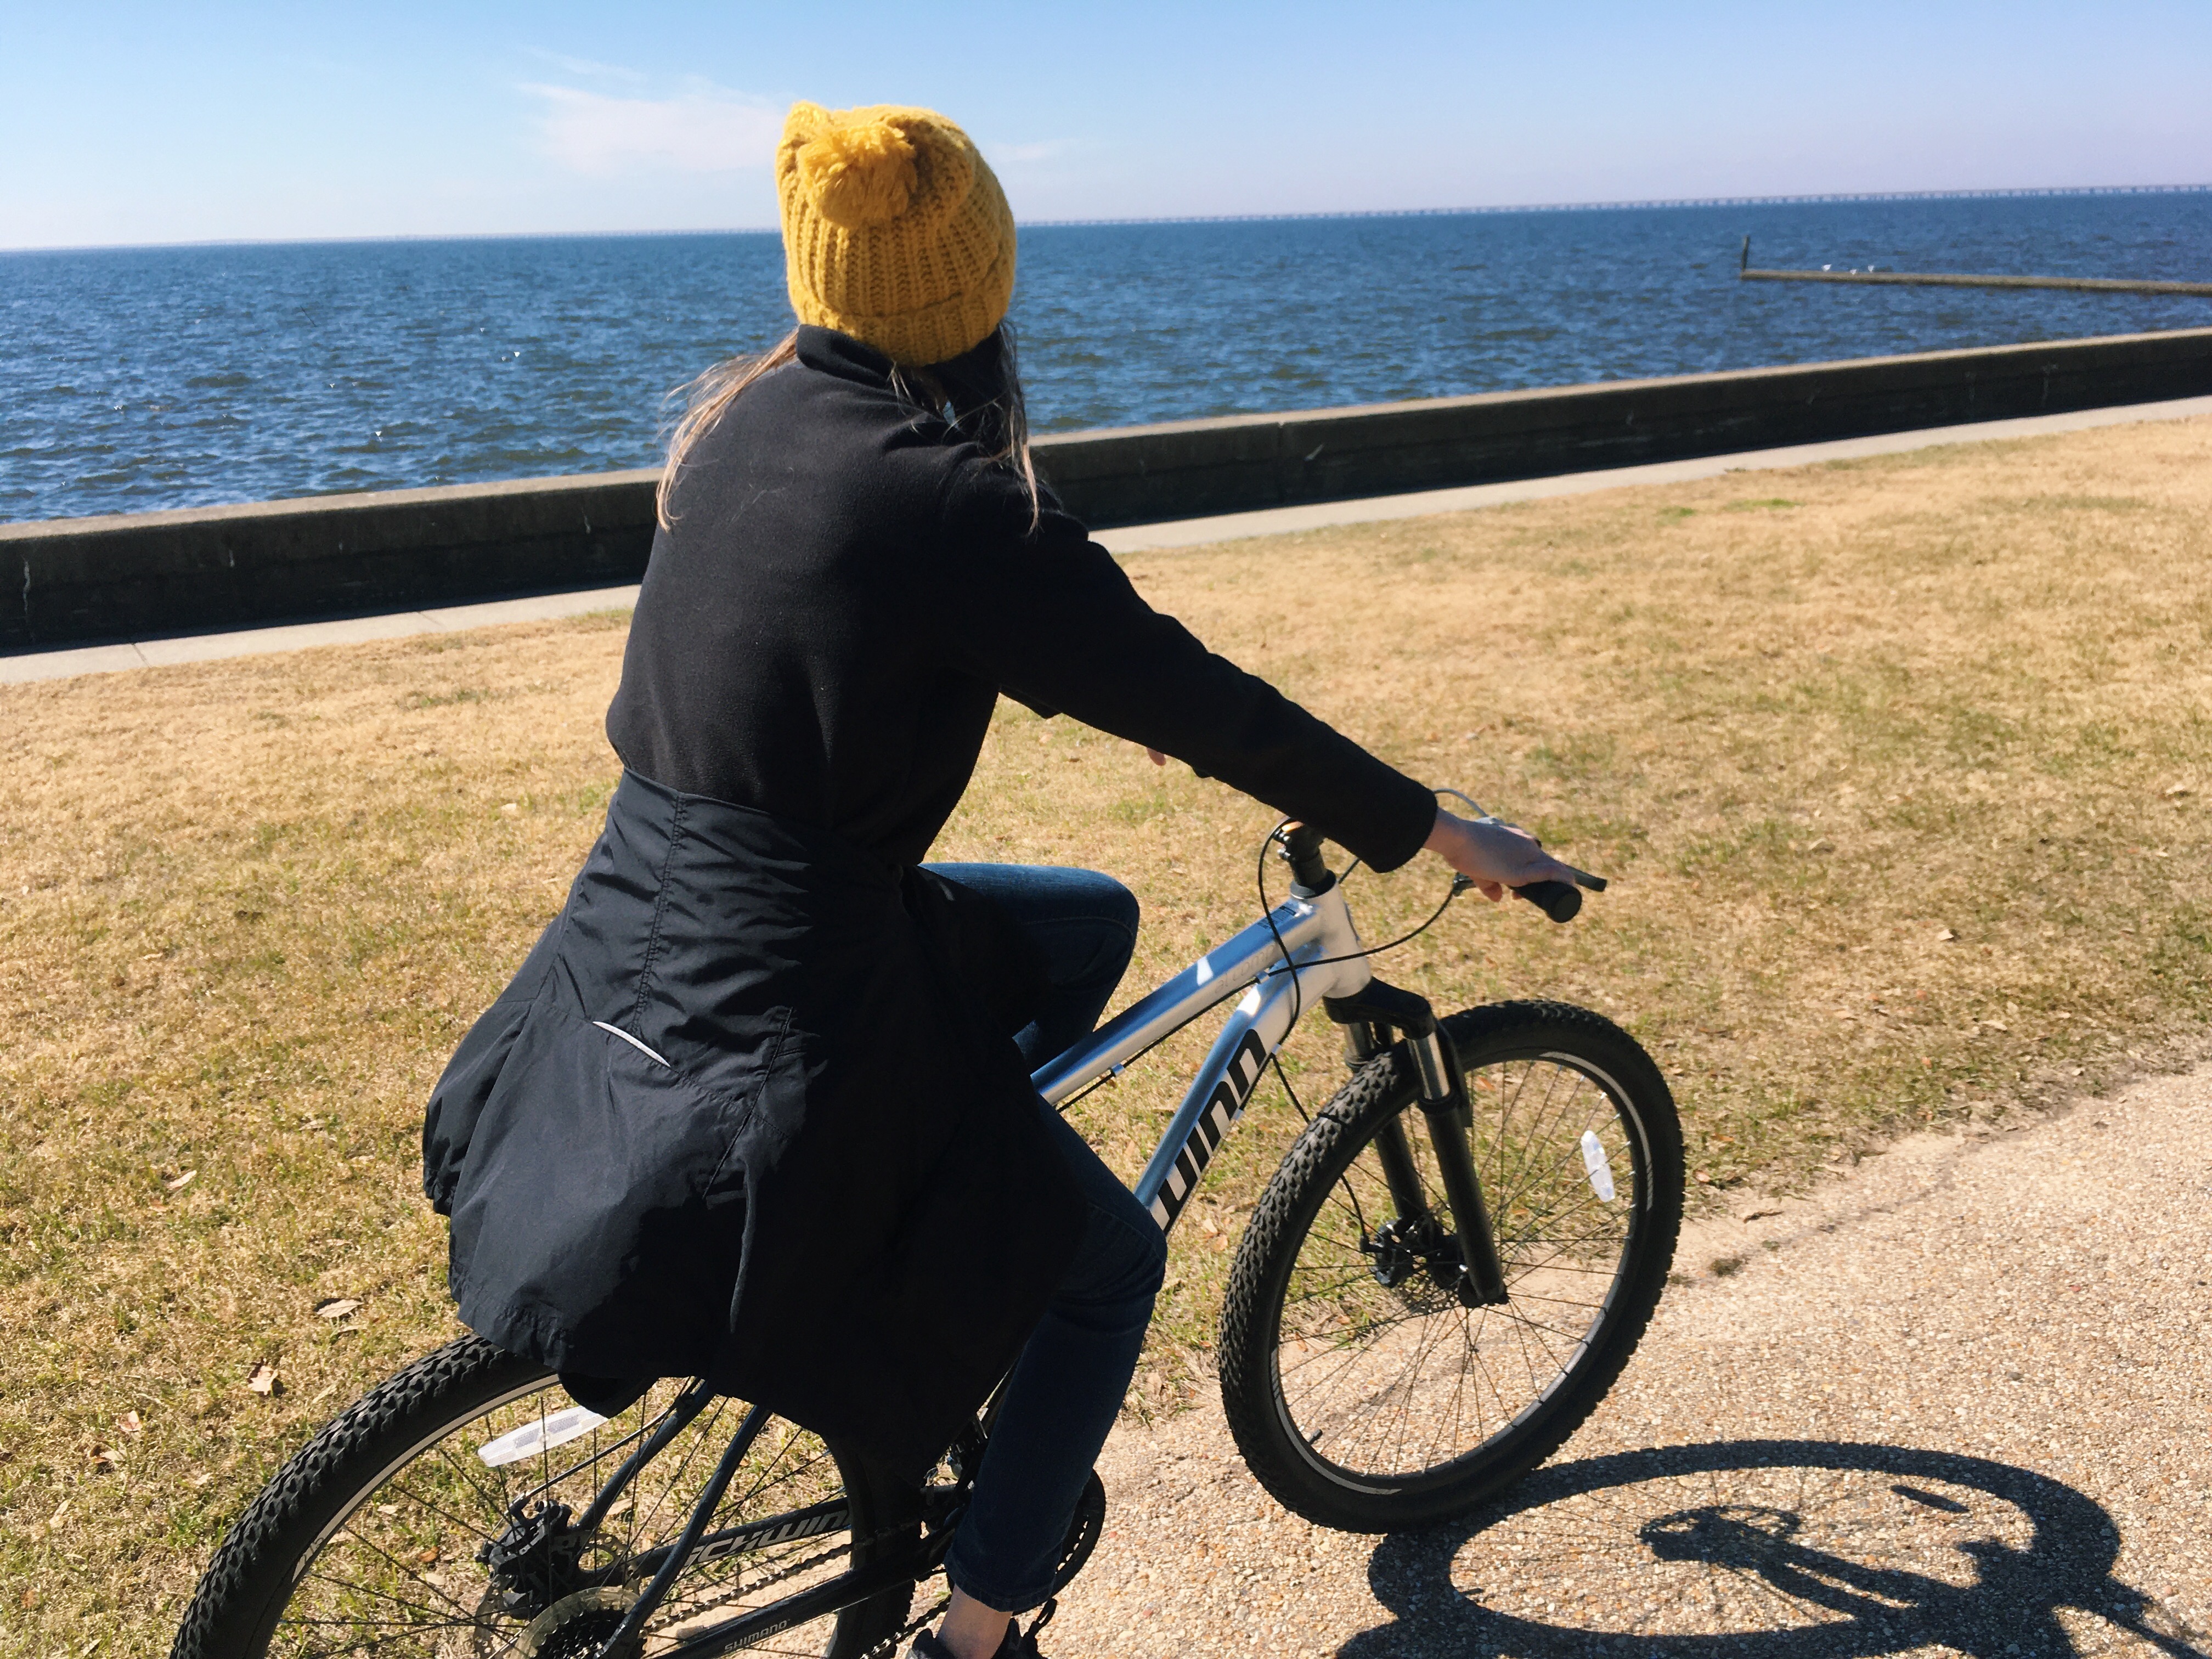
pixel 1226 1106
pixel 807 1523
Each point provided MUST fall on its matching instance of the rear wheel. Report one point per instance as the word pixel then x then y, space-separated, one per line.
pixel 1362 1392
pixel 417 1524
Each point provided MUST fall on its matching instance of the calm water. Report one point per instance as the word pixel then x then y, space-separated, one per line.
pixel 170 377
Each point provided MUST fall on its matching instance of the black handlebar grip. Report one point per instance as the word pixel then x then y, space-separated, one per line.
pixel 1560 900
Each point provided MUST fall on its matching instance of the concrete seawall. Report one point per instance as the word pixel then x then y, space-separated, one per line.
pixel 72 580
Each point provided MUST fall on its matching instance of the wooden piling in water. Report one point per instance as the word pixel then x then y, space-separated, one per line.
pixel 1949 279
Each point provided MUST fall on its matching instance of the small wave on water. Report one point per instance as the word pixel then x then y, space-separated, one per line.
pixel 133 380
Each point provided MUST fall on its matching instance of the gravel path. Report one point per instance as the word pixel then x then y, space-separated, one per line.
pixel 1958 1402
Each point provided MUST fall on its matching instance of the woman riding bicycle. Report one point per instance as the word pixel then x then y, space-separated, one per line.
pixel 756 1107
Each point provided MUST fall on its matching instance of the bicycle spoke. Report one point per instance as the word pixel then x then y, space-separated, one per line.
pixel 701 1435
pixel 495 1502
pixel 403 1571
pixel 1430 1330
pixel 402 1577
pixel 1563 1302
pixel 442 1513
pixel 1404 1378
pixel 1567 1158
pixel 1330 1289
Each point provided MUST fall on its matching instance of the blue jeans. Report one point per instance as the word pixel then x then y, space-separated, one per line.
pixel 1068 1384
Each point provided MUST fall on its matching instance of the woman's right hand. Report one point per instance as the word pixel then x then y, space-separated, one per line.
pixel 1494 855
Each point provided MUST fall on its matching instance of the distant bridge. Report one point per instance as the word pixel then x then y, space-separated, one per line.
pixel 1666 202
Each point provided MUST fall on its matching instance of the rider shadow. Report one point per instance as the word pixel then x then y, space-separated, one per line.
pixel 1788 1550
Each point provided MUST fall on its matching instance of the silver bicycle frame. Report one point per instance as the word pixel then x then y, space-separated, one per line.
pixel 1314 932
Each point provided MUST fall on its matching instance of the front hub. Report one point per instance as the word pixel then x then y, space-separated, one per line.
pixel 1399 1247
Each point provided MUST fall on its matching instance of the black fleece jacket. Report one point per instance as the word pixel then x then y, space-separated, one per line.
pixel 847 586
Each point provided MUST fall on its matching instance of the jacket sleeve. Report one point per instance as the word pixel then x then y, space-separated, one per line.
pixel 1053 620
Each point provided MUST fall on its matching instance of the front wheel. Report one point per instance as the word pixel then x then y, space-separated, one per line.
pixel 433 1519
pixel 1363 1391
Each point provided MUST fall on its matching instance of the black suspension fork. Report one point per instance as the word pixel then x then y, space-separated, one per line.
pixel 1377 1009
pixel 1450 1117
pixel 1409 1201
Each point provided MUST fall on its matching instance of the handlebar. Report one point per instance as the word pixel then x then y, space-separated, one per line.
pixel 1560 900
pixel 1301 849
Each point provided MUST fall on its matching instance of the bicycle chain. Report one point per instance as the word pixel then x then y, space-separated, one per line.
pixel 699 1602
pixel 886 1648
pixel 704 1601
pixel 883 1649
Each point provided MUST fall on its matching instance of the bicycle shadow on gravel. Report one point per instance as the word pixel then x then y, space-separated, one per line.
pixel 1774 1549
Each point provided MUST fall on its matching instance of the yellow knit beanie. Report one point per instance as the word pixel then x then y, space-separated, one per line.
pixel 895 232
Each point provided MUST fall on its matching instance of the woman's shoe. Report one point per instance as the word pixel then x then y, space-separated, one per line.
pixel 1017 1645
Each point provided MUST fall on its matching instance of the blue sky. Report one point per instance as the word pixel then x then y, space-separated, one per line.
pixel 179 122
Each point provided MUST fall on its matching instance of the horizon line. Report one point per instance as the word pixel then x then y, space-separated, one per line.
pixel 1803 198
pixel 1655 202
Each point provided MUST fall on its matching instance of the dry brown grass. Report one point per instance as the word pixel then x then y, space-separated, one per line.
pixel 1883 756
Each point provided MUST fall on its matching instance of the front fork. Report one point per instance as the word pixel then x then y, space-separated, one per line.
pixel 1480 1280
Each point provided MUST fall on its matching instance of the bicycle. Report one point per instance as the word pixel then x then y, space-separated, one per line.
pixel 1443 1277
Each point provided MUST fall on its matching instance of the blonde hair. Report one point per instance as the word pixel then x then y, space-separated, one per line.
pixel 705 399
pixel 999 424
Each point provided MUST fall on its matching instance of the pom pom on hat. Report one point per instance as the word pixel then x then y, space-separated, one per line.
pixel 859 175
pixel 895 230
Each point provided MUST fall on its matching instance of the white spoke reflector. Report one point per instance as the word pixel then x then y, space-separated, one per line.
pixel 1600 1167
pixel 532 1438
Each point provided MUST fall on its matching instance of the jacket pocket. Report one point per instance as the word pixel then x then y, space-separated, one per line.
pixel 591 1229
pixel 449 1122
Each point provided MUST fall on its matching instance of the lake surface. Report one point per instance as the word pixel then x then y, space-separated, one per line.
pixel 137 379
